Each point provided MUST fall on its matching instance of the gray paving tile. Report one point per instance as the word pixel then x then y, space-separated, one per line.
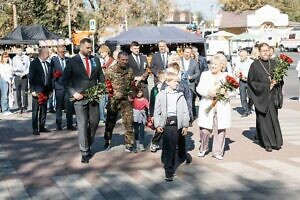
pixel 120 184
pixel 4 193
pixel 16 189
pixel 68 189
pixel 85 187
pixel 136 185
pixel 281 167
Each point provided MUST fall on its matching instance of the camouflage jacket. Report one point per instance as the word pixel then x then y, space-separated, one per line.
pixel 122 81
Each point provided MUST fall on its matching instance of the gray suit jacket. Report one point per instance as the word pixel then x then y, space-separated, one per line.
pixel 193 71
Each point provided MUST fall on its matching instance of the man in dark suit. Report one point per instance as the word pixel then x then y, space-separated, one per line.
pixel 159 60
pixel 139 65
pixel 84 71
pixel 191 66
pixel 58 64
pixel 40 83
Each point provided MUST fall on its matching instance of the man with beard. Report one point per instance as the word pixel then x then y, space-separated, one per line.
pixel 84 71
pixel 120 78
pixel 261 90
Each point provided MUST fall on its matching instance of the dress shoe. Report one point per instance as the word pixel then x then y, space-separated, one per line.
pixel 169 178
pixel 244 115
pixel 45 130
pixel 58 127
pixel 35 133
pixel 51 111
pixel 90 154
pixel 268 149
pixel 85 159
pixel 72 128
pixel 107 145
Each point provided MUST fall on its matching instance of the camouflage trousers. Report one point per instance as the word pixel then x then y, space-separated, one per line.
pixel 113 108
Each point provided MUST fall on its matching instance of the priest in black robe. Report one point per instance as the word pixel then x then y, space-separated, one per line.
pixel 262 92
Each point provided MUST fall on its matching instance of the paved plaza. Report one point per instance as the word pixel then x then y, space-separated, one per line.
pixel 48 166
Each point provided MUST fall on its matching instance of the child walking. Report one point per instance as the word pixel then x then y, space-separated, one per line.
pixel 171 116
pixel 140 113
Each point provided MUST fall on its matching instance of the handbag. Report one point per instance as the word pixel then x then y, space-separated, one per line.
pixel 277 95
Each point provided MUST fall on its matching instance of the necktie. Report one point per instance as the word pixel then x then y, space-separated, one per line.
pixel 137 60
pixel 163 60
pixel 87 65
pixel 62 64
pixel 45 68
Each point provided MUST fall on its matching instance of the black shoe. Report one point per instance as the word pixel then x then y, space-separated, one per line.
pixel 169 178
pixel 188 159
pixel 45 130
pixel 58 127
pixel 107 145
pixel 90 154
pixel 85 159
pixel 268 149
pixel 72 128
pixel 21 111
pixel 130 149
pixel 244 115
pixel 51 111
pixel 35 133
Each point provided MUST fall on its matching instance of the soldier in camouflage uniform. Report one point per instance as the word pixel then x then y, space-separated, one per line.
pixel 121 78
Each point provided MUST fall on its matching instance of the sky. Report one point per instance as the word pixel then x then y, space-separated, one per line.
pixel 208 8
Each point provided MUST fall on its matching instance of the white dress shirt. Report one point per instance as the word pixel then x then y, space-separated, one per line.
pixel 186 63
pixel 20 65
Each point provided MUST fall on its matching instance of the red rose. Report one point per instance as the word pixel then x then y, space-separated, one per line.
pixel 109 87
pixel 42 98
pixel 57 74
pixel 289 60
pixel 283 56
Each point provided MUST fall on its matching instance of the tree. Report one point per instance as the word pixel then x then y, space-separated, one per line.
pixel 289 7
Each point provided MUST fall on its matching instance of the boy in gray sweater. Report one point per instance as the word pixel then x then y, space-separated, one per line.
pixel 171 116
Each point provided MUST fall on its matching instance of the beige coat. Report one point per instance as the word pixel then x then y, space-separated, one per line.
pixel 223 109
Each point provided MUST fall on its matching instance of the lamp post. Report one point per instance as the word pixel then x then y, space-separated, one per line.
pixel 69 26
pixel 212 21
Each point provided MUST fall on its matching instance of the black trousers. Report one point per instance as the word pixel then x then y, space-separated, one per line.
pixel 172 138
pixel 193 94
pixel 21 91
pixel 39 113
pixel 63 102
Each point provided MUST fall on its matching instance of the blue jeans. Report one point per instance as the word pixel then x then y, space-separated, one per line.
pixel 139 131
pixel 4 95
pixel 102 105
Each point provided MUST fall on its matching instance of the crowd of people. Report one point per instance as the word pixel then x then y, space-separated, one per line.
pixel 168 108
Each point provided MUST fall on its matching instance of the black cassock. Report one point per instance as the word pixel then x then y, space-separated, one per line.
pixel 267 123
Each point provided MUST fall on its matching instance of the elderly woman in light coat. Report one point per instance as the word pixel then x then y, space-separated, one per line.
pixel 219 117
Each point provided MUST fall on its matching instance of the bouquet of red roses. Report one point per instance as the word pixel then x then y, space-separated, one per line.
pixel 42 98
pixel 282 65
pixel 57 74
pixel 93 94
pixel 228 86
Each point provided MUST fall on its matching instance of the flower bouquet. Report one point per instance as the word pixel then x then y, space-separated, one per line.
pixel 57 74
pixel 93 94
pixel 282 65
pixel 228 86
pixel 42 98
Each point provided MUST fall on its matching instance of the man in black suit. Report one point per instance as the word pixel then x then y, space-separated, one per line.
pixel 159 60
pixel 139 65
pixel 191 66
pixel 84 71
pixel 40 83
pixel 58 64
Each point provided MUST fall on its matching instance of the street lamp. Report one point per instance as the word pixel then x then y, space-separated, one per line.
pixel 69 26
